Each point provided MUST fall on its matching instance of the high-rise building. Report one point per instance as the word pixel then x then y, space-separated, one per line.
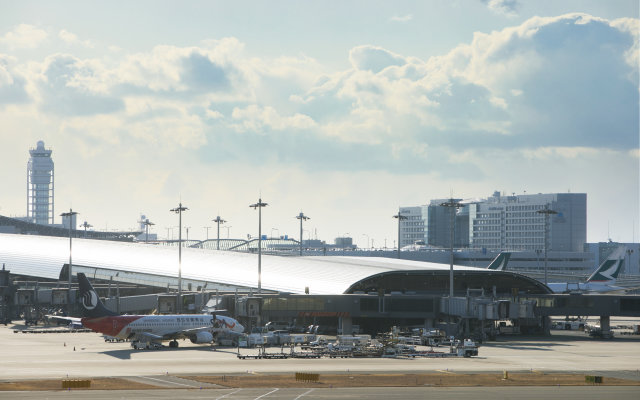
pixel 412 229
pixel 515 223
pixel 40 185
pixel 501 223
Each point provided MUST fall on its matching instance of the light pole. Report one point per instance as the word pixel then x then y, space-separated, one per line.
pixel 228 227
pixel 400 219
pixel 301 217
pixel 627 266
pixel 146 224
pixel 219 221
pixel 207 229
pixel 259 206
pixel 277 230
pixel 364 234
pixel 86 225
pixel 546 212
pixel 453 205
pixel 69 215
pixel 178 210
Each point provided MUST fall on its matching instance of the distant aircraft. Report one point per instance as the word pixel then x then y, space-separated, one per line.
pixel 500 262
pixel 147 331
pixel 602 280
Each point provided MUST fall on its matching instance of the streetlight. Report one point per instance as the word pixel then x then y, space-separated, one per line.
pixel 146 224
pixel 364 234
pixel 228 227
pixel 627 266
pixel 277 230
pixel 453 205
pixel 546 211
pixel 69 215
pixel 301 217
pixel 400 219
pixel 219 221
pixel 207 229
pixel 178 210
pixel 86 225
pixel 259 206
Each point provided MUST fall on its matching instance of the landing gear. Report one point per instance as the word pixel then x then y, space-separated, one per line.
pixel 173 343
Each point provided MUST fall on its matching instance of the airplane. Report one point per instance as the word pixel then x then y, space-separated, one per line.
pixel 602 280
pixel 148 331
pixel 500 262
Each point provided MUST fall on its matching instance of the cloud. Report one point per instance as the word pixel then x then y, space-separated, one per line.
pixel 23 36
pixel 402 18
pixel 70 86
pixel 554 82
pixel 260 119
pixel 12 83
pixel 504 7
pixel 71 38
pixel 373 58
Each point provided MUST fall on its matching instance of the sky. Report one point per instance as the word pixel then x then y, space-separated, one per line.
pixel 344 110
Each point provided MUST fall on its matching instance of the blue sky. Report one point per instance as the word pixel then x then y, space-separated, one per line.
pixel 345 110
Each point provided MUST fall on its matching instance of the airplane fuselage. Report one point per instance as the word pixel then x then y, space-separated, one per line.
pixel 165 326
pixel 597 287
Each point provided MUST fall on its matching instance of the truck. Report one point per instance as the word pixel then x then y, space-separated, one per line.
pixel 466 348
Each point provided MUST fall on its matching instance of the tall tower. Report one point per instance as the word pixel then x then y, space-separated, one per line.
pixel 40 185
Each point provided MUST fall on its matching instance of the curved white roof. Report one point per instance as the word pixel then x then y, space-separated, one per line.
pixel 44 256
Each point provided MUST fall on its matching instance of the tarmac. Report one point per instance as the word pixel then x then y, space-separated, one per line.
pixel 28 356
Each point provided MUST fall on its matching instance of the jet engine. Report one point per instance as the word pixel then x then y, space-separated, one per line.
pixel 201 337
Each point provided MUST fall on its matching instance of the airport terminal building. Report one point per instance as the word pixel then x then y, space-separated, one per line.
pixel 339 293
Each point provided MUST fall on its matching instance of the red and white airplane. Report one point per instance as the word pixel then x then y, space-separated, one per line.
pixel 147 331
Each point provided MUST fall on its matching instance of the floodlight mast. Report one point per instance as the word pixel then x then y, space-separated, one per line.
pixel 178 210
pixel 546 212
pixel 453 205
pixel 218 221
pixel 400 218
pixel 86 225
pixel 146 224
pixel 70 215
pixel 301 217
pixel 259 206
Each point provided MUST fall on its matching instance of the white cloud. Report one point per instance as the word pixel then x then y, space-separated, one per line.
pixel 23 36
pixel 71 38
pixel 373 58
pixel 505 7
pixel 402 18
pixel 258 119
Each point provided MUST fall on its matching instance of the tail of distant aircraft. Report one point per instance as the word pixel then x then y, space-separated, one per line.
pixel 500 262
pixel 92 306
pixel 610 268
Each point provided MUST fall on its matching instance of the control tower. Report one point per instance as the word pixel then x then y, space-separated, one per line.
pixel 40 185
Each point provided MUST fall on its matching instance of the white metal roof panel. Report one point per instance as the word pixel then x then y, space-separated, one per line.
pixel 44 256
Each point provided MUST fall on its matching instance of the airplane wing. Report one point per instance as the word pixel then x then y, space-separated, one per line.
pixel 62 319
pixel 147 337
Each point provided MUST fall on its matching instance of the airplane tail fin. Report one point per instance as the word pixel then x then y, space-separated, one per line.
pixel 92 306
pixel 610 268
pixel 500 262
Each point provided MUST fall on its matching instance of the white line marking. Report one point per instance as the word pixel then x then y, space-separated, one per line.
pixel 169 382
pixel 304 394
pixel 228 394
pixel 266 394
